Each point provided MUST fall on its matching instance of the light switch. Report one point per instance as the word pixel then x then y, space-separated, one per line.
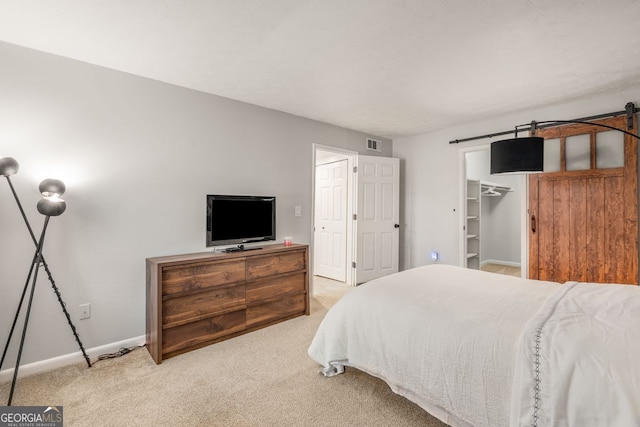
pixel 298 211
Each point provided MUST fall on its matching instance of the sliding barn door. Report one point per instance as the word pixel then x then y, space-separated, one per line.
pixel 583 216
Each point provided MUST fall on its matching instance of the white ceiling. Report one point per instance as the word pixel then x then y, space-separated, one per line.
pixel 387 68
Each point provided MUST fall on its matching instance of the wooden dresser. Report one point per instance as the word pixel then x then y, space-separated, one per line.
pixel 199 299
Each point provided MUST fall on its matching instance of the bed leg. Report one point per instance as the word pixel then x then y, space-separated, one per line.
pixel 332 370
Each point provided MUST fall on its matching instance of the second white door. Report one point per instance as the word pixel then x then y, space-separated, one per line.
pixel 331 220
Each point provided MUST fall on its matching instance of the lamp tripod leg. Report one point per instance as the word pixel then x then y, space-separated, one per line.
pixel 50 276
pixel 66 313
pixel 15 319
pixel 38 258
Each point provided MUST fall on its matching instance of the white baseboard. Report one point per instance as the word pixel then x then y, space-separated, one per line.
pixel 69 359
pixel 500 262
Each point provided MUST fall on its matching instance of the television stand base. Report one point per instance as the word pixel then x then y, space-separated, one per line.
pixel 240 248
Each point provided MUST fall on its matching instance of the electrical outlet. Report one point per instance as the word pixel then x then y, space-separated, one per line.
pixel 435 256
pixel 298 211
pixel 85 311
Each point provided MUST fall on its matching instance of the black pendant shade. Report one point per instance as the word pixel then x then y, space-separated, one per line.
pixel 517 155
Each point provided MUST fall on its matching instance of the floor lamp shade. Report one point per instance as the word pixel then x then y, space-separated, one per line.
pixel 8 166
pixel 49 187
pixel 517 155
pixel 50 207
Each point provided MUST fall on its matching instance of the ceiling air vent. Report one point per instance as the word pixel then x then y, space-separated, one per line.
pixel 374 145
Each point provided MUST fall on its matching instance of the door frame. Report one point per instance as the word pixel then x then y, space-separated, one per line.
pixel 462 217
pixel 351 207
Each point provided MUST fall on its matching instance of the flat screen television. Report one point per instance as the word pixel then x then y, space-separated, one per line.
pixel 240 219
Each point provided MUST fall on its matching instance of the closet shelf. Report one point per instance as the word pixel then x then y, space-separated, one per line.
pixel 472 228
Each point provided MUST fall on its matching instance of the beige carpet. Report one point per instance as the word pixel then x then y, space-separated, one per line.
pixel 264 378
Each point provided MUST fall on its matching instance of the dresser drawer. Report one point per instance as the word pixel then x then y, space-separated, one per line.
pixel 193 334
pixel 275 287
pixel 186 308
pixel 285 262
pixel 191 277
pixel 276 310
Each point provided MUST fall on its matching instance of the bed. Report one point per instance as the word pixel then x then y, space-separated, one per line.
pixel 481 349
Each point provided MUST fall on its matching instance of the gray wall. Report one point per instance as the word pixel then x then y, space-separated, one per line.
pixel 430 190
pixel 138 157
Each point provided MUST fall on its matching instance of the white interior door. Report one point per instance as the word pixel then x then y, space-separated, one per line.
pixel 331 220
pixel 377 217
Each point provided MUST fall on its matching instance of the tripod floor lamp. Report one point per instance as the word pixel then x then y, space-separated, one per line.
pixel 50 205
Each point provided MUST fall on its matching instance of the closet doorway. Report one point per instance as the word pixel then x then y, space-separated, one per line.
pixel 493 208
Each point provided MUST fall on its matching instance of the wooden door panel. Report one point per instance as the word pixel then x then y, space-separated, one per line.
pixel 614 245
pixel 545 230
pixel 578 230
pixel 561 232
pixel 595 255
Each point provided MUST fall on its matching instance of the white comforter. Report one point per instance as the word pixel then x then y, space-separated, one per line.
pixel 451 339
pixel 580 354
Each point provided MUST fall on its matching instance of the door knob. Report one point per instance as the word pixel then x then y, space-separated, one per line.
pixel 396 226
